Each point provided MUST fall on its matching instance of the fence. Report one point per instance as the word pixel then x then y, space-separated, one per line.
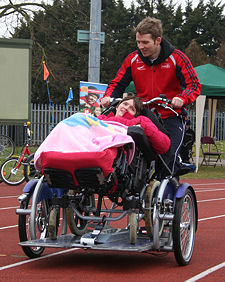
pixel 43 119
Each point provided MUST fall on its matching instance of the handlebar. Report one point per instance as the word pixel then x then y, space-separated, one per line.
pixel 28 131
pixel 165 104
pixel 160 101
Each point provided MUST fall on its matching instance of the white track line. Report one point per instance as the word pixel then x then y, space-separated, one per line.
pixel 7 197
pixel 212 190
pixel 210 200
pixel 7 208
pixel 35 259
pixel 206 272
pixel 7 227
pixel 203 184
pixel 212 217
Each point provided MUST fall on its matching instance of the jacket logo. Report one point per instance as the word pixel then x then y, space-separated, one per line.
pixel 139 61
pixel 141 68
pixel 165 66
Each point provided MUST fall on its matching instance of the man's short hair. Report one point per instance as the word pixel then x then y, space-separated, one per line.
pixel 151 26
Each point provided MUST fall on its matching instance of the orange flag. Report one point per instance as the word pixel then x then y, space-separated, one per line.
pixel 46 72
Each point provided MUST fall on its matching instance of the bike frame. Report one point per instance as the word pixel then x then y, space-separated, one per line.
pixel 25 152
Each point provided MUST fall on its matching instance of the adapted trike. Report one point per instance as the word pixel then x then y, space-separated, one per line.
pixel 161 213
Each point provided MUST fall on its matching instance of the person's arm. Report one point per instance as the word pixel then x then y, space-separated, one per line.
pixel 189 82
pixel 160 141
pixel 118 85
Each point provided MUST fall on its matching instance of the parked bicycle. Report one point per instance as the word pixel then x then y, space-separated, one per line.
pixel 7 147
pixel 17 169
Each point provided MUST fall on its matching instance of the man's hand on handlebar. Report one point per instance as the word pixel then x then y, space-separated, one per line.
pixel 177 103
pixel 105 102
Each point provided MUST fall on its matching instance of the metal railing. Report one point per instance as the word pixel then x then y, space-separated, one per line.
pixel 43 119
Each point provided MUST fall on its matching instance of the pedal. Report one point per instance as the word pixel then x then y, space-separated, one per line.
pixel 87 241
pixel 94 235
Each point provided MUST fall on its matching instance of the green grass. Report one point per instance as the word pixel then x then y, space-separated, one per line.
pixel 209 172
pixel 206 173
pixel 32 149
pixel 220 145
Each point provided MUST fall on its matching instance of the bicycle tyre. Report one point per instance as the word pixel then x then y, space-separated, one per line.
pixel 52 225
pixel 76 225
pixel 184 228
pixel 7 147
pixel 133 228
pixel 29 170
pixel 41 230
pixel 10 177
pixel 148 213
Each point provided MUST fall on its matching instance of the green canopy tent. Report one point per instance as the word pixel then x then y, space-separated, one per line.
pixel 212 79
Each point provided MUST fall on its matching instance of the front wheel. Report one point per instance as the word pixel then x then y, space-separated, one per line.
pixel 41 220
pixel 12 173
pixel 184 228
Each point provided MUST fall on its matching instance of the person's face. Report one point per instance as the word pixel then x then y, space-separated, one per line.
pixel 91 99
pixel 97 111
pixel 148 47
pixel 126 106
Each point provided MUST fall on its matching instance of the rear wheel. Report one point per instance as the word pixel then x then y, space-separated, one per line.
pixel 11 172
pixel 41 219
pixel 184 228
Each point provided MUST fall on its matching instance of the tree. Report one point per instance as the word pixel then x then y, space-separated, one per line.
pixel 17 11
pixel 213 33
pixel 119 37
pixel 55 42
pixel 219 58
pixel 196 55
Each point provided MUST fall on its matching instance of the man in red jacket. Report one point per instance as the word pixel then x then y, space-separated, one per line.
pixel 156 67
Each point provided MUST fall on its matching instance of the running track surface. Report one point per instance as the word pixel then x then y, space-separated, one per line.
pixel 207 264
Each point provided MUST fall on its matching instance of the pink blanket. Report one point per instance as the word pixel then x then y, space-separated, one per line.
pixel 84 133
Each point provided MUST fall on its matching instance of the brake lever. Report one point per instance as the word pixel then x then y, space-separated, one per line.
pixel 171 109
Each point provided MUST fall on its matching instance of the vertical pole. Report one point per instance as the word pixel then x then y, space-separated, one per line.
pixel 94 41
pixel 209 116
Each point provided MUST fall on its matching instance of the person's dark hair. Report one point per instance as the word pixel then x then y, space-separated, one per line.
pixel 137 102
pixel 151 26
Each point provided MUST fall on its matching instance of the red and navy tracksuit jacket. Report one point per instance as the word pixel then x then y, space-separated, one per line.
pixel 171 74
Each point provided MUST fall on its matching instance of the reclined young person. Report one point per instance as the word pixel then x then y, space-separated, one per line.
pixel 128 112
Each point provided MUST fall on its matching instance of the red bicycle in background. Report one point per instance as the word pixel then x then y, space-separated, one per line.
pixel 18 169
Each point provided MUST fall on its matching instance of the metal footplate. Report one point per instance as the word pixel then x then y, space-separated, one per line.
pixel 107 239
